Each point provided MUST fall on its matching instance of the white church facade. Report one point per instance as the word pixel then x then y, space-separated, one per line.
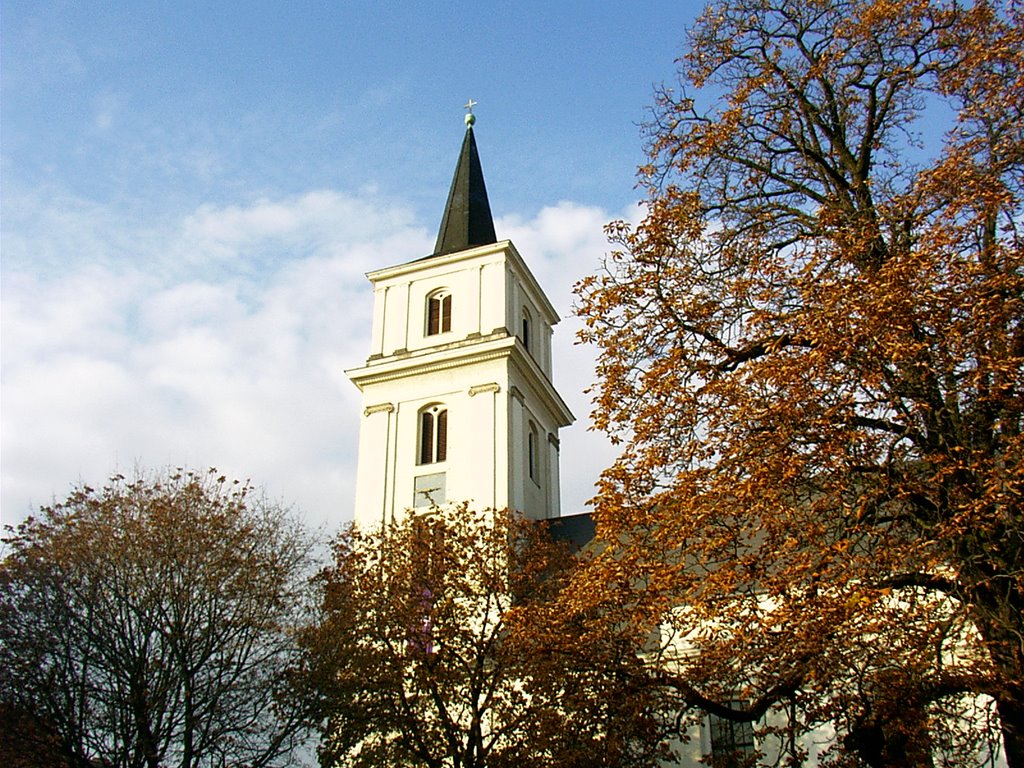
pixel 458 400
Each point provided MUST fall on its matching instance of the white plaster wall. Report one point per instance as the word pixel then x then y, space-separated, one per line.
pixel 533 403
pixel 376 430
pixel 477 442
pixel 520 297
pixel 477 286
pixel 490 390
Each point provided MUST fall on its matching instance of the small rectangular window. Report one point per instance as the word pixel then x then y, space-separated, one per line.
pixel 429 490
pixel 732 743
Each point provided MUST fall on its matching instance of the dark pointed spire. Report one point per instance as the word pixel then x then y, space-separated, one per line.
pixel 467 220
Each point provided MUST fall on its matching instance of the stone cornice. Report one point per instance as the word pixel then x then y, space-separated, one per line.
pixel 532 287
pixel 545 390
pixel 421 265
pixel 401 367
pixel 503 248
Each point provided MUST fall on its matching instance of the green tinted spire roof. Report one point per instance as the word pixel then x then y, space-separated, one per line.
pixel 467 220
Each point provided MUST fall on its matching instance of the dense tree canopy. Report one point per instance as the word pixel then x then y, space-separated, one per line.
pixel 811 351
pixel 432 651
pixel 151 623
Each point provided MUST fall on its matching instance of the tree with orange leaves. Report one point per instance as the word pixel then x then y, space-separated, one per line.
pixel 435 648
pixel 811 352
pixel 151 623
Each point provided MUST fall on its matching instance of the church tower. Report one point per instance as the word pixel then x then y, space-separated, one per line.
pixel 458 403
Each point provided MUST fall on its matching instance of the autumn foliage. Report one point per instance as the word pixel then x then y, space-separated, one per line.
pixel 150 623
pixel 811 352
pixel 436 647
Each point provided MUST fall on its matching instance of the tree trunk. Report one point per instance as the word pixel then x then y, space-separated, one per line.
pixel 145 742
pixel 896 745
pixel 1002 641
pixel 1011 718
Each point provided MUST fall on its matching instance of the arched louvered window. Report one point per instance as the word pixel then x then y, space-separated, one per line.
pixel 439 312
pixel 433 434
pixel 525 333
pixel 533 452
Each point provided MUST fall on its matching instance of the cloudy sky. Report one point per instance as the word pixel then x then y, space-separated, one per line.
pixel 192 193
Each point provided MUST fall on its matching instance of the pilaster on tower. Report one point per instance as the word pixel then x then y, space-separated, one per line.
pixel 457 393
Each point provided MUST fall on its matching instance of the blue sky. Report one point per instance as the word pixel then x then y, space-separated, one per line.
pixel 192 193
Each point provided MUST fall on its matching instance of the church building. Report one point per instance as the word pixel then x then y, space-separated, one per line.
pixel 458 403
pixel 459 406
pixel 458 400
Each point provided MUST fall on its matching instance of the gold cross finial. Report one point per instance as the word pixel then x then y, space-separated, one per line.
pixel 470 117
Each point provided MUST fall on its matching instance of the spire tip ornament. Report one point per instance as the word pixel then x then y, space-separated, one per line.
pixel 470 117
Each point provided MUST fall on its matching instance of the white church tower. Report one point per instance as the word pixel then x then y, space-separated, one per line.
pixel 458 403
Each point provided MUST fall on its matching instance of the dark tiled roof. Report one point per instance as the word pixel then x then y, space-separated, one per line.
pixel 467 220
pixel 577 530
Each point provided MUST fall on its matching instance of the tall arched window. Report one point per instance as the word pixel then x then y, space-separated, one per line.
pixel 525 335
pixel 533 452
pixel 439 312
pixel 433 434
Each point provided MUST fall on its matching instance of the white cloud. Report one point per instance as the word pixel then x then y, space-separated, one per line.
pixel 222 339
pixel 310 223
pixel 107 108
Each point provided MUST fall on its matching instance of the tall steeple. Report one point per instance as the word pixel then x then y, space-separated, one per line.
pixel 458 403
pixel 467 220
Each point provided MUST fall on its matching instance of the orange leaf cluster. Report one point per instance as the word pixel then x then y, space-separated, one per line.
pixel 812 352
